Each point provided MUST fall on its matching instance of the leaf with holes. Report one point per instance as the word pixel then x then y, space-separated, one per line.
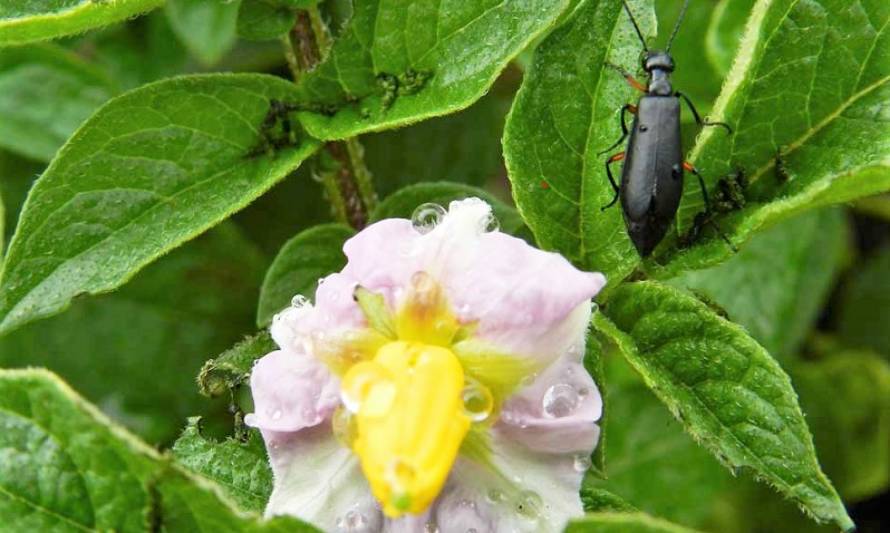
pixel 807 98
pixel 565 114
pixel 150 170
pixel 310 255
pixel 241 468
pixel 24 21
pixel 398 64
pixel 725 389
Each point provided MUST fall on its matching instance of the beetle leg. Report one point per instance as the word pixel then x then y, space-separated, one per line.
pixel 629 77
pixel 617 157
pixel 707 216
pixel 627 107
pixel 697 117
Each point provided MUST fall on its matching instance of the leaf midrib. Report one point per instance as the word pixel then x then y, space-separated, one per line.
pixel 593 104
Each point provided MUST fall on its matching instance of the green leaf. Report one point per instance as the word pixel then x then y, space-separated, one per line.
pixel 150 170
pixel 241 468
pixel 653 464
pixel 865 305
pixel 232 367
pixel 16 176
pixel 786 274
pixel 45 94
pixel 566 112
pixel 261 20
pixel 24 21
pixel 206 28
pixel 138 52
pixel 622 523
pixel 725 31
pixel 135 352
pixel 310 255
pixel 594 499
pixel 877 206
pixel 402 203
pixel 292 204
pixel 463 147
pixel 730 395
pixel 66 467
pixel 819 69
pixel 846 397
pixel 442 60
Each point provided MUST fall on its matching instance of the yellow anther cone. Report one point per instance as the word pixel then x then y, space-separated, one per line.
pixel 410 422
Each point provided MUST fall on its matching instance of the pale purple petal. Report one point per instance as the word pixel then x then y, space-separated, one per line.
pixel 528 492
pixel 519 295
pixel 319 480
pixel 557 412
pixel 291 391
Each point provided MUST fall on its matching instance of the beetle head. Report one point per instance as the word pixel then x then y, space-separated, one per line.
pixel 657 60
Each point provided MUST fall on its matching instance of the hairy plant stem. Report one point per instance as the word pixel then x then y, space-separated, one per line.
pixel 346 179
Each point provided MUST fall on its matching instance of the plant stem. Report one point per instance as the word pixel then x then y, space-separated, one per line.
pixel 347 181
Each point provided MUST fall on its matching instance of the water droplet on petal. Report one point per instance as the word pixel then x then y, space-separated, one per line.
pixel 299 301
pixel 276 414
pixel 431 527
pixel 250 419
pixel 581 462
pixel 426 217
pixel 354 521
pixel 478 400
pixel 488 224
pixel 529 504
pixel 560 400
pixel 495 496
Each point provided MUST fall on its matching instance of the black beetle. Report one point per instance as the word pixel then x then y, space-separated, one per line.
pixel 652 176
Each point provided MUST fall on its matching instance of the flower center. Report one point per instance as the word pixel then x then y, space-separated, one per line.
pixel 410 421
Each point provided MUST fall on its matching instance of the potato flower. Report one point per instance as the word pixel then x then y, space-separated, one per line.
pixel 436 384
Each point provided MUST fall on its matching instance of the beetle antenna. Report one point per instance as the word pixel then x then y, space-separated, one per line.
pixel 634 22
pixel 677 26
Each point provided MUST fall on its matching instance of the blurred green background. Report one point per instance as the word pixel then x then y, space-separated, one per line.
pixel 816 288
